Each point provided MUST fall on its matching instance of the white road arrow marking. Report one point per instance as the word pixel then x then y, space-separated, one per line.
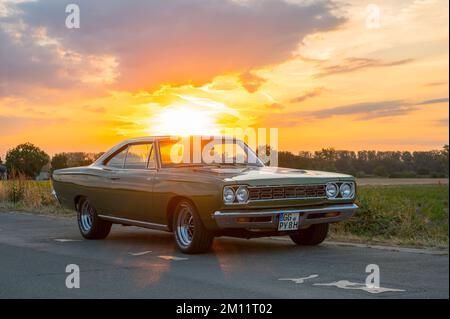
pixel 345 284
pixel 141 253
pixel 173 258
pixel 300 280
pixel 63 240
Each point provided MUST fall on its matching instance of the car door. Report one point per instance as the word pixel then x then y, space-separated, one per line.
pixel 132 185
pixel 104 195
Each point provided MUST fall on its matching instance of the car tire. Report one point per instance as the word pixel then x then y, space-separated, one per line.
pixel 313 235
pixel 90 225
pixel 190 234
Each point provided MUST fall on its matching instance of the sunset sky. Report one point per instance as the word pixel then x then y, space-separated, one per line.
pixel 325 73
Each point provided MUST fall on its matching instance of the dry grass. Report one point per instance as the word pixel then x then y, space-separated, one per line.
pixel 28 195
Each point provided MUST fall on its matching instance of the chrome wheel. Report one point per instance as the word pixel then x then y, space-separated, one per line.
pixel 185 226
pixel 86 216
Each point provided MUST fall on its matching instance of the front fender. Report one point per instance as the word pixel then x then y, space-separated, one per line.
pixel 205 194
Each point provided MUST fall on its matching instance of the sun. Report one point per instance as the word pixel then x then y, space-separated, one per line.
pixel 189 115
pixel 183 121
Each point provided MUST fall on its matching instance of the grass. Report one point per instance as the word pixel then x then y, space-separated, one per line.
pixel 31 196
pixel 412 215
pixel 408 215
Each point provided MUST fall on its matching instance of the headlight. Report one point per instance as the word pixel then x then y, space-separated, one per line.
pixel 242 194
pixel 347 190
pixel 332 190
pixel 228 195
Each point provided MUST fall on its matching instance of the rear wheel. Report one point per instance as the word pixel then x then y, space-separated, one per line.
pixel 190 234
pixel 90 225
pixel 313 235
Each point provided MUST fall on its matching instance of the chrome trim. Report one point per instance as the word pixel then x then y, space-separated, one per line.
pixel 287 185
pixel 248 194
pixel 55 196
pixel 331 199
pixel 134 222
pixel 185 227
pixel 338 190
pixel 285 198
pixel 228 219
pixel 352 187
pixel 86 217
pixel 290 198
pixel 234 195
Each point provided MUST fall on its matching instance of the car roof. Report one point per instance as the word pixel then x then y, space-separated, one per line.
pixel 164 137
pixel 143 139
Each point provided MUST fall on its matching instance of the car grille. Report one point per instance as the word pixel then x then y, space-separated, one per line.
pixel 286 192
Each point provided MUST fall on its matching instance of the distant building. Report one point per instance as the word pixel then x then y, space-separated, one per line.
pixel 44 174
pixel 3 172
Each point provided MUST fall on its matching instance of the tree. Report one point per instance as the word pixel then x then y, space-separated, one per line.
pixel 59 161
pixel 444 159
pixel 26 159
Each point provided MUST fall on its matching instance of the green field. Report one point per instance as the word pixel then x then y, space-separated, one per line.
pixel 412 215
pixel 415 215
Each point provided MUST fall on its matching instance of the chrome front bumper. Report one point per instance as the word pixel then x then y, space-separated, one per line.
pixel 268 219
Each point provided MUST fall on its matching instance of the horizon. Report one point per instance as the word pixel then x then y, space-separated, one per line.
pixel 3 155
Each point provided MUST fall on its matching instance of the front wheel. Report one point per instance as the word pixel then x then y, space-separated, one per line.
pixel 313 235
pixel 190 234
pixel 90 225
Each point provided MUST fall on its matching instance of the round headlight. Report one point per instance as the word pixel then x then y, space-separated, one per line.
pixel 346 190
pixel 332 190
pixel 228 195
pixel 242 194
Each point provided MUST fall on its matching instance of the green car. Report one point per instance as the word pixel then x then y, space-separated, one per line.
pixel 200 189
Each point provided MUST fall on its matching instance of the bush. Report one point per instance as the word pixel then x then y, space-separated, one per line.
pixel 14 190
pixel 404 174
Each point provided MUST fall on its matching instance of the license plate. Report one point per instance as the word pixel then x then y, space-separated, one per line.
pixel 288 221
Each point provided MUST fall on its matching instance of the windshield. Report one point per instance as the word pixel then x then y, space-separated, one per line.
pixel 201 151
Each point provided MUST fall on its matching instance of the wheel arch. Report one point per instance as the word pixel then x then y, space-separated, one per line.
pixel 76 201
pixel 170 210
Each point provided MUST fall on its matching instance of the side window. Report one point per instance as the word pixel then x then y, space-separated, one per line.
pixel 152 159
pixel 118 159
pixel 138 156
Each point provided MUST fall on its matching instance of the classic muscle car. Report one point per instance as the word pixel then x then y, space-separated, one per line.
pixel 227 191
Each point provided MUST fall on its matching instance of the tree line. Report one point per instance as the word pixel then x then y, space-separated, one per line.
pixel 28 160
pixel 372 163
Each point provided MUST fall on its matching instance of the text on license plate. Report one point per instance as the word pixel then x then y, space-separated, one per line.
pixel 288 221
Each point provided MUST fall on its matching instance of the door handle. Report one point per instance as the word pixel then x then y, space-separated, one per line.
pixel 114 178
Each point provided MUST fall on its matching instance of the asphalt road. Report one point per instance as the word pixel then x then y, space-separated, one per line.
pixel 138 263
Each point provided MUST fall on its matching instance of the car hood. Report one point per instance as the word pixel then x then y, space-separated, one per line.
pixel 272 175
